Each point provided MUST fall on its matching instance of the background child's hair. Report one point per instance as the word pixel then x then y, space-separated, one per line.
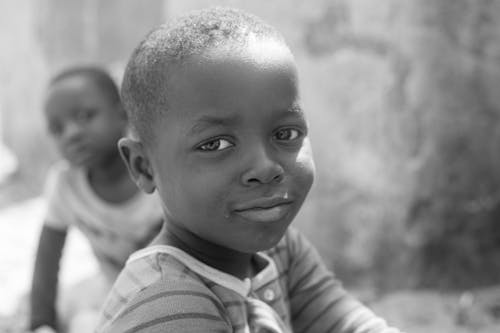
pixel 146 76
pixel 98 75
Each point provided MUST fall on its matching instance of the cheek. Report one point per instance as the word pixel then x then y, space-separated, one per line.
pixel 197 193
pixel 107 125
pixel 305 168
pixel 210 193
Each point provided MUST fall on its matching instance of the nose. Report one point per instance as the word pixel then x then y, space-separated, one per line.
pixel 262 168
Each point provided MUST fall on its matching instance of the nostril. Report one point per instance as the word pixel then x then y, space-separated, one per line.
pixel 252 180
pixel 279 177
pixel 265 175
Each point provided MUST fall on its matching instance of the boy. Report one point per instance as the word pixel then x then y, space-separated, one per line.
pixel 91 189
pixel 219 132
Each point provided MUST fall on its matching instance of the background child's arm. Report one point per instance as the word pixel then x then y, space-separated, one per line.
pixel 318 301
pixel 45 277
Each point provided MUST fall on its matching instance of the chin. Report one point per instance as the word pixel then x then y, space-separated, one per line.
pixel 78 160
pixel 264 242
pixel 80 164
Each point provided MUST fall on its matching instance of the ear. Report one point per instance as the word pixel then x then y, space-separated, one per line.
pixel 138 164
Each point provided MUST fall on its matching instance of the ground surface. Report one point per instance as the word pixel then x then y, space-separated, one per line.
pixel 19 227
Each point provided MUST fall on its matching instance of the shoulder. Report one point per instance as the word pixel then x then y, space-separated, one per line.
pixel 172 306
pixel 290 247
pixel 60 174
pixel 304 267
pixel 60 193
pixel 60 168
pixel 155 291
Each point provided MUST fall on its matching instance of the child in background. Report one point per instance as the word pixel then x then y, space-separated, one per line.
pixel 219 131
pixel 90 189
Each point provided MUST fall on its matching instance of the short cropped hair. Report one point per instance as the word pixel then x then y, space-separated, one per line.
pixel 145 79
pixel 97 75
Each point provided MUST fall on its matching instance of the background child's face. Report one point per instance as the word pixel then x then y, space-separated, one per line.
pixel 83 120
pixel 232 161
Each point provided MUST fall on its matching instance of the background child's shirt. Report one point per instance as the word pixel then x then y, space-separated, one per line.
pixel 113 230
pixel 164 289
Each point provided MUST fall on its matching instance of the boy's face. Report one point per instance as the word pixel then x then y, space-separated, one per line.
pixel 83 121
pixel 232 161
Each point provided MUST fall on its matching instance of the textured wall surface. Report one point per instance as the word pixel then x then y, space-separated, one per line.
pixel 403 103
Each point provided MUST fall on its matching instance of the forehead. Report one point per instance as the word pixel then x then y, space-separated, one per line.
pixel 227 83
pixel 224 75
pixel 72 83
pixel 258 56
pixel 250 88
pixel 74 90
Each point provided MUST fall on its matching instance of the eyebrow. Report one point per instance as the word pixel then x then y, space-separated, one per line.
pixel 296 108
pixel 205 121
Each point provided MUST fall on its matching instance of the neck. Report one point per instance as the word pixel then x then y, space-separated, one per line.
pixel 238 264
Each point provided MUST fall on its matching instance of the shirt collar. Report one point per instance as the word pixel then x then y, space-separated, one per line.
pixel 242 287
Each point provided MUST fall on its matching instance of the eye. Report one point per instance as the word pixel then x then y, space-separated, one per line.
pixel 215 145
pixel 287 134
pixel 55 128
pixel 84 115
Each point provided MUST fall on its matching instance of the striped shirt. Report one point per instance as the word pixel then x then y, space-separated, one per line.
pixel 163 289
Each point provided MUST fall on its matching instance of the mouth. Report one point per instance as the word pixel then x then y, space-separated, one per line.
pixel 77 154
pixel 264 210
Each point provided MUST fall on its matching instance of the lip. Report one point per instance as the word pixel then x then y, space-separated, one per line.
pixel 263 203
pixel 78 154
pixel 264 210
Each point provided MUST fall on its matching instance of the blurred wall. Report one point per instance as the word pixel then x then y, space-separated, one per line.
pixel 402 103
pixel 22 71
pixel 92 30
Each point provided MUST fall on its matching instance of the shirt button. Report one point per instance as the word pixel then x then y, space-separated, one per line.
pixel 268 295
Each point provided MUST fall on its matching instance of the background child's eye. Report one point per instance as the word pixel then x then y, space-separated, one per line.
pixel 285 134
pixel 217 144
pixel 85 115
pixel 55 128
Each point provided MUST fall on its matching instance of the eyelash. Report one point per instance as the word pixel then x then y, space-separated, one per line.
pixel 84 116
pixel 288 130
pixel 292 135
pixel 81 117
pixel 204 146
